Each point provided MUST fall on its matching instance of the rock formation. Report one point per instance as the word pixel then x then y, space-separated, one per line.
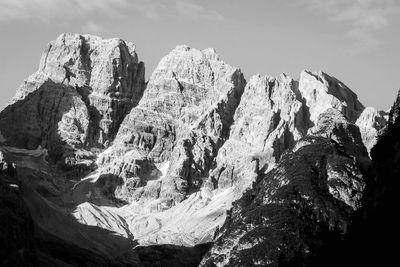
pixel 104 73
pixel 52 116
pixel 182 120
pixel 321 91
pixel 270 172
pixel 371 122
pixel 312 192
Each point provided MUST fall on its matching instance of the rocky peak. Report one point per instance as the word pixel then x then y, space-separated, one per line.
pixel 188 81
pixel 108 61
pixel 371 122
pixel 199 140
pixel 268 121
pixel 321 91
pixel 106 73
pixel 184 117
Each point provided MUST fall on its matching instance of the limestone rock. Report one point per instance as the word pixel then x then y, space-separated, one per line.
pixel 105 72
pixel 307 200
pixel 187 82
pixel 53 116
pixel 170 161
pixel 268 121
pixel 189 102
pixel 370 123
pixel 333 125
pixel 321 91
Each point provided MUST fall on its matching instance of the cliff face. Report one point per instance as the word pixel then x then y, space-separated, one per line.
pixel 371 122
pixel 181 121
pixel 272 171
pixel 104 73
pixel 304 202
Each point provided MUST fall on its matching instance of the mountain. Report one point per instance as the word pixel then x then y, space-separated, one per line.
pixel 196 166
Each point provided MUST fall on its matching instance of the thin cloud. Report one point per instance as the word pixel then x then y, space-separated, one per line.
pixel 363 18
pixel 46 10
pixel 196 11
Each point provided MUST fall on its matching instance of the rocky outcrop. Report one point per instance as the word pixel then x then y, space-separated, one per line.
pixel 183 117
pixel 105 73
pixel 193 181
pixel 307 201
pixel 53 116
pixel 332 124
pixel 321 91
pixel 370 123
pixel 273 171
pixel 268 121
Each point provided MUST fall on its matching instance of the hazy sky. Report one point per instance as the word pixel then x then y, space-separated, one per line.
pixel 357 41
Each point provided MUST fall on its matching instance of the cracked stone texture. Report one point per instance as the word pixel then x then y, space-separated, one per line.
pixel 306 201
pixel 172 158
pixel 371 122
pixel 198 176
pixel 105 72
pixel 183 117
pixel 53 116
pixel 321 91
pixel 268 121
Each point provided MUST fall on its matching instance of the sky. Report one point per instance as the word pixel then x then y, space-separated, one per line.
pixel 357 41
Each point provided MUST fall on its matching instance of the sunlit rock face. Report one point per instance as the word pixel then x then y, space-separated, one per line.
pixel 182 174
pixel 74 104
pixel 321 91
pixel 269 171
pixel 268 121
pixel 307 201
pixel 371 122
pixel 183 119
pixel 106 73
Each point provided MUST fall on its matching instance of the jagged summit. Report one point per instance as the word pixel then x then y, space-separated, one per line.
pixel 104 73
pixel 164 162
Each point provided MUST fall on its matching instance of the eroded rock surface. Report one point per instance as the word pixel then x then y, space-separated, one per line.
pixel 105 73
pixel 183 119
pixel 268 121
pixel 306 201
pixel 52 116
pixel 370 123
pixel 169 161
pixel 321 91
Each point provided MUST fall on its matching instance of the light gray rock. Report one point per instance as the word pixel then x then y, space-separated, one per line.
pixel 105 72
pixel 171 159
pixel 268 121
pixel 321 91
pixel 183 118
pixel 53 116
pixel 370 122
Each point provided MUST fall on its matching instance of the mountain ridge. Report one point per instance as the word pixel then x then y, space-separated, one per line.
pixel 163 162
